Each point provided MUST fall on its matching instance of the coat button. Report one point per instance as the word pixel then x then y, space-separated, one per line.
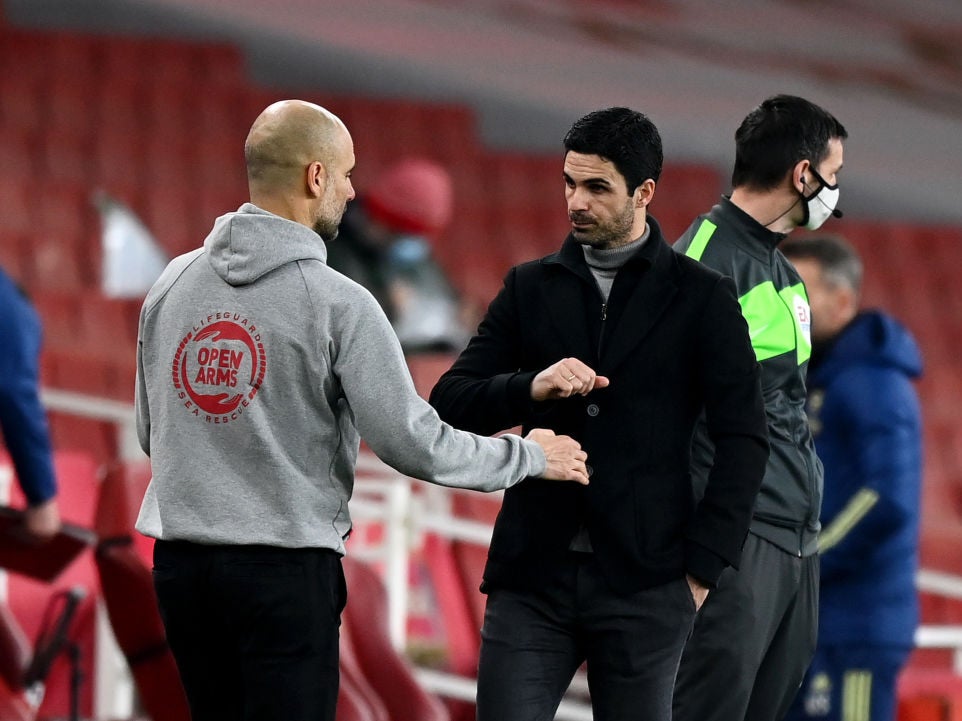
pixel 593 410
pixel 589 469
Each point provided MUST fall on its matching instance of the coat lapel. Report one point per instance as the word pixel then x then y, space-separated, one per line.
pixel 568 315
pixel 568 311
pixel 652 294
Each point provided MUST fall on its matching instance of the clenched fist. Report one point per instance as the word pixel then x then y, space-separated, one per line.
pixel 567 377
pixel 566 460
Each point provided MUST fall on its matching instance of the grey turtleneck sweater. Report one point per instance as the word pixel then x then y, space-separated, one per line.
pixel 605 263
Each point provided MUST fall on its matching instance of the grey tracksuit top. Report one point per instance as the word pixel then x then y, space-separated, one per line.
pixel 259 368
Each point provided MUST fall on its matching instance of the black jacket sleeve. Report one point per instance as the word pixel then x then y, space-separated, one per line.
pixel 737 425
pixel 484 391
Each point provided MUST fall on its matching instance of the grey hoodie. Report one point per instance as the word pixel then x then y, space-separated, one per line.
pixel 259 368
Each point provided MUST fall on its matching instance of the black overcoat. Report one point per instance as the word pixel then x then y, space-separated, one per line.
pixel 673 342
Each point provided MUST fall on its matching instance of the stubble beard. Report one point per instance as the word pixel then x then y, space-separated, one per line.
pixel 327 226
pixel 324 229
pixel 608 235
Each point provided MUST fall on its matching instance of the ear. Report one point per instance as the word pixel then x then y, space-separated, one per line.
pixel 847 304
pixel 644 193
pixel 801 176
pixel 316 178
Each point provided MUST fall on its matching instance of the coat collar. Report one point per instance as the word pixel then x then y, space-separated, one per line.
pixel 753 237
pixel 643 290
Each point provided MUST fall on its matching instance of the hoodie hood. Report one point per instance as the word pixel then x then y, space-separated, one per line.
pixel 873 339
pixel 239 254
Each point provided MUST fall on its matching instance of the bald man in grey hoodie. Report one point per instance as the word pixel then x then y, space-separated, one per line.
pixel 259 371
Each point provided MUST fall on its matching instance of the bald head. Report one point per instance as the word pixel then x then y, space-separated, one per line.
pixel 284 139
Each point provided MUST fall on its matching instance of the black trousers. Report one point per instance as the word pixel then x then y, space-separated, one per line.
pixel 254 629
pixel 532 642
pixel 753 639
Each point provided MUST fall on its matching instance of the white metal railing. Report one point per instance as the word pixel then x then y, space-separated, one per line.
pixel 382 495
pixel 942 637
pixel 948 586
pixel 99 409
pixel 939 584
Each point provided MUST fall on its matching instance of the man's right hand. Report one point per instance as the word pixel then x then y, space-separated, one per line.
pixel 699 591
pixel 566 460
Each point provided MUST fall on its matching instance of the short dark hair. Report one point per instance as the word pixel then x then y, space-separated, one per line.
pixel 839 261
pixel 622 136
pixel 776 135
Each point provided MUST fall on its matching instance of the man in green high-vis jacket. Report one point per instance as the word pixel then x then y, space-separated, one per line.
pixel 755 635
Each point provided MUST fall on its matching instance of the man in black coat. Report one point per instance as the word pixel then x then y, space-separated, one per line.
pixel 621 343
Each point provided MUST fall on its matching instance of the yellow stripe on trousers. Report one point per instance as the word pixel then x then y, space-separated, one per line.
pixel 857 696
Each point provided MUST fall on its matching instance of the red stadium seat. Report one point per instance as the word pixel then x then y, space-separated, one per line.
pixel 18 214
pixel 109 325
pixel 170 215
pixel 17 160
pixel 22 90
pixel 118 166
pixel 926 693
pixel 356 685
pixel 220 65
pixel 75 434
pixel 13 706
pixel 64 157
pixel 15 650
pixel 15 258
pixel 60 314
pixel 128 594
pixel 351 703
pixel 67 110
pixel 426 368
pixel 365 620
pixel 458 614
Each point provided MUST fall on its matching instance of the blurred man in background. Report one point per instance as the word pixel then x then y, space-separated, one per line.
pixel 755 636
pixel 867 425
pixel 385 245
pixel 23 419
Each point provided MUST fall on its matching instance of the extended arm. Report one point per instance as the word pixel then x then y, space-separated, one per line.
pixel 406 432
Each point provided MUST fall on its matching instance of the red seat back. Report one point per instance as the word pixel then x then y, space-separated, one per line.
pixel 365 619
pixel 128 594
pixel 14 649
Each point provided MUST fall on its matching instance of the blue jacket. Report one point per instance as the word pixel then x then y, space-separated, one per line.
pixel 868 432
pixel 22 416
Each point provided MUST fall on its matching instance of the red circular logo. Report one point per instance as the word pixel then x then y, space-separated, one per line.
pixel 220 365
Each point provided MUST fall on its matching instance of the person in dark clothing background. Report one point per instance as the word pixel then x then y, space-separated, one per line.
pixel 866 420
pixel 385 245
pixel 620 343
pixel 22 415
pixel 755 636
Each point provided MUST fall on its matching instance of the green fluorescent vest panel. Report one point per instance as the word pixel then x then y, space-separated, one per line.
pixel 697 246
pixel 778 322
